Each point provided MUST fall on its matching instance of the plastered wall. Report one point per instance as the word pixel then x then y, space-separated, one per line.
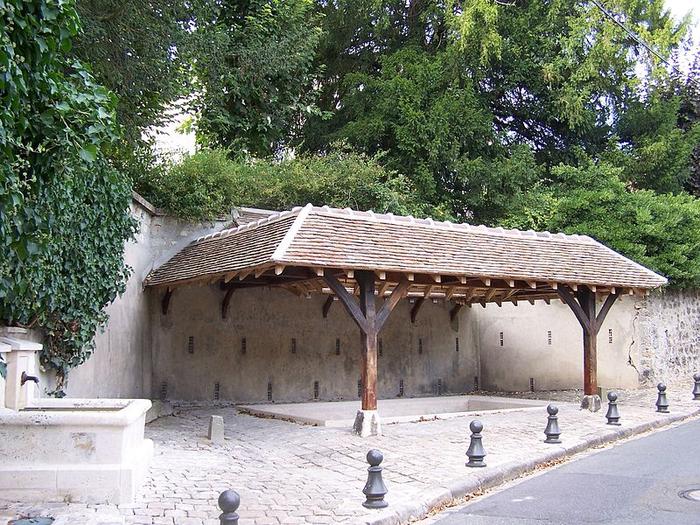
pixel 545 343
pixel 419 354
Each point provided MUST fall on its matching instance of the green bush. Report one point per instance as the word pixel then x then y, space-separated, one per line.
pixel 209 184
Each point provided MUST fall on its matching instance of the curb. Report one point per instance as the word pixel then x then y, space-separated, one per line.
pixel 439 496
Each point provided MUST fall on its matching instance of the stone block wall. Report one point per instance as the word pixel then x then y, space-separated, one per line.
pixel 667 331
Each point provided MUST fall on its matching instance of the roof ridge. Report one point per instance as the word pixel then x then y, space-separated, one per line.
pixel 291 232
pixel 455 226
pixel 247 226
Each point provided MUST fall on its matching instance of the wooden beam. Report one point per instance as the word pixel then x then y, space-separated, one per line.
pixel 390 303
pixel 319 272
pixel 350 274
pixel 487 282
pixel 428 291
pixel 454 311
pixel 226 302
pixel 229 276
pixel 327 306
pixel 416 308
pixel 437 278
pixel 600 318
pixel 369 340
pixel 450 292
pixel 165 301
pixel 383 288
pixel 410 277
pixel 348 301
pixel 490 293
pixel 279 269
pixel 570 300
pixel 532 284
pixel 381 275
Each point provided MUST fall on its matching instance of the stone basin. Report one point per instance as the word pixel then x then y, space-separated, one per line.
pixel 78 450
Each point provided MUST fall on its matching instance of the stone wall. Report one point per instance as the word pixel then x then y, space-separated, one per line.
pixel 289 347
pixel 668 335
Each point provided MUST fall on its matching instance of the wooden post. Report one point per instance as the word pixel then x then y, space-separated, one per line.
pixel 370 321
pixel 583 304
pixel 369 340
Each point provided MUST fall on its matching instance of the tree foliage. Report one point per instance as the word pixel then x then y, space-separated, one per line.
pixel 256 74
pixel 209 184
pixel 63 208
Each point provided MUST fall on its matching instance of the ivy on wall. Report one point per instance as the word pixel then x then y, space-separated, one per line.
pixel 64 210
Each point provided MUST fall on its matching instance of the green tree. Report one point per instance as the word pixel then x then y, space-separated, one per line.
pixel 64 213
pixel 660 231
pixel 444 88
pixel 140 51
pixel 256 73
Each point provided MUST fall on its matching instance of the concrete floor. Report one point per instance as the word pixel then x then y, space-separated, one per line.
pixel 339 414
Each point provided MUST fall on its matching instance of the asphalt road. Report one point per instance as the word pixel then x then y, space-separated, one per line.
pixel 635 483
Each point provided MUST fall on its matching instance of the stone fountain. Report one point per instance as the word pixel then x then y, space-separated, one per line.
pixel 77 450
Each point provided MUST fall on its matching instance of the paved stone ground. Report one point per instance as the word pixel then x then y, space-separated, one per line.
pixel 292 474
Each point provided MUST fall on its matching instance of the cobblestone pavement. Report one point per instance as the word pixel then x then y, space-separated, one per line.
pixel 292 474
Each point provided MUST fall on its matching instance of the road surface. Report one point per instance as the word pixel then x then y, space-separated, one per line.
pixel 635 483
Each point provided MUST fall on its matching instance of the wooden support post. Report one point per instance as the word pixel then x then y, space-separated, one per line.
pixel 165 302
pixel 416 308
pixel 370 321
pixel 369 340
pixel 327 306
pixel 583 304
pixel 226 302
pixel 455 310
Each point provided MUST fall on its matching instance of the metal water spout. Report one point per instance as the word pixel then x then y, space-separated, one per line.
pixel 24 378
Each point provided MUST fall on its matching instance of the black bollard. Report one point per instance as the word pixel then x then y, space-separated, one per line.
pixel 375 489
pixel 229 501
pixel 476 452
pixel 552 430
pixel 661 401
pixel 696 388
pixel 613 414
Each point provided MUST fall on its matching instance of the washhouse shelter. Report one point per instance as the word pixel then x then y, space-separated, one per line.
pixel 370 262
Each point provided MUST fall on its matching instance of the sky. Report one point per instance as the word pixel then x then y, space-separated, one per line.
pixel 170 141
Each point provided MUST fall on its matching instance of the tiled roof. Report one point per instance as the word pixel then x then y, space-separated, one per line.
pixel 245 215
pixel 346 239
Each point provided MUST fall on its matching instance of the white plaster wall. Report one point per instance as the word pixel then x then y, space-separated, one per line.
pixel 526 352
pixel 270 318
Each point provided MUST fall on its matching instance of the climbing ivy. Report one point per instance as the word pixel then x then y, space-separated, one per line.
pixel 64 210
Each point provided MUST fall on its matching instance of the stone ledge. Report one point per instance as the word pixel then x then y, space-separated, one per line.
pixel 441 496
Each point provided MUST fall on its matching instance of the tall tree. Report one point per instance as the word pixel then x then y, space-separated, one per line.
pixel 256 77
pixel 444 88
pixel 140 51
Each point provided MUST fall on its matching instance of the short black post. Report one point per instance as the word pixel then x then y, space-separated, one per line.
pixel 229 501
pixel 476 452
pixel 696 388
pixel 375 489
pixel 552 430
pixel 661 401
pixel 613 414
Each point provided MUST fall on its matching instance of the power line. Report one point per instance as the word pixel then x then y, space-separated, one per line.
pixel 641 42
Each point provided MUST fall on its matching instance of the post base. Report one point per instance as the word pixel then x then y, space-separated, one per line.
pixel 367 423
pixel 590 402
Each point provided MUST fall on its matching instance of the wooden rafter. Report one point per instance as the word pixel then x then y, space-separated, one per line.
pixel 226 302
